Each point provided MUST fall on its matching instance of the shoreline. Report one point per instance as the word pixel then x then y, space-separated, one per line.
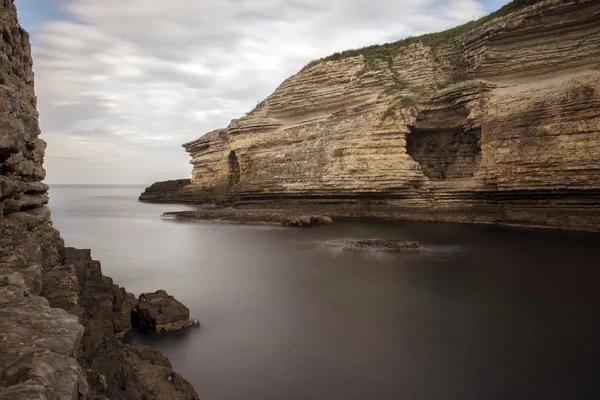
pixel 375 216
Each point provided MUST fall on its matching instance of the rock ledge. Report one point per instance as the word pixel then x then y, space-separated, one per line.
pixel 398 246
pixel 250 217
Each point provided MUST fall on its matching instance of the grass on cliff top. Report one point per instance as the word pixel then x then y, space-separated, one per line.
pixel 388 51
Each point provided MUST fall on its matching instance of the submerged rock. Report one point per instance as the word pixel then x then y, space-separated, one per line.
pixel 250 217
pixel 159 312
pixel 399 246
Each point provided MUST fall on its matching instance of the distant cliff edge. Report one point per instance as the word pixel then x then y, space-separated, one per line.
pixel 495 121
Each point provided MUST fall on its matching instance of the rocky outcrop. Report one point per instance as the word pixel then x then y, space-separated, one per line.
pixel 38 343
pixel 389 245
pixel 61 320
pixel 114 370
pixel 168 191
pixel 159 312
pixel 250 217
pixel 496 121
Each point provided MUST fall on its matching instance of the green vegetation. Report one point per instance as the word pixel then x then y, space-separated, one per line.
pixel 401 84
pixel 456 77
pixel 312 64
pixel 18 29
pixel 377 54
pixel 404 99
pixel 399 103
pixel 383 57
pixel 418 88
pixel 258 106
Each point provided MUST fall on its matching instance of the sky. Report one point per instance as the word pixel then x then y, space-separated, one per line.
pixel 121 84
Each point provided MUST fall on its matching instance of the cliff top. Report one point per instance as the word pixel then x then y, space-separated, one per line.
pixel 388 50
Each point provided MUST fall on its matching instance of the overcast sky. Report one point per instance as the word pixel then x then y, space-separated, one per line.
pixel 123 83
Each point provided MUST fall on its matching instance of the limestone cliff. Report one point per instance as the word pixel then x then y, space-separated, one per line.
pixel 496 121
pixel 60 318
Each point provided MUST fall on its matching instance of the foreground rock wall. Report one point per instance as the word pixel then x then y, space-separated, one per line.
pixel 61 320
pixel 501 125
pixel 38 344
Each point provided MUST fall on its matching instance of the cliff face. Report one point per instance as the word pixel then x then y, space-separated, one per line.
pixel 500 124
pixel 37 343
pixel 60 318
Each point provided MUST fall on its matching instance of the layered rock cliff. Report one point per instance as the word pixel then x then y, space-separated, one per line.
pixel 61 320
pixel 496 121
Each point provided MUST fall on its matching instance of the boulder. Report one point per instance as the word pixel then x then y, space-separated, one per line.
pixel 159 312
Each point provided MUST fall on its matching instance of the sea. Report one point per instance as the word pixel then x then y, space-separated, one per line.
pixel 485 312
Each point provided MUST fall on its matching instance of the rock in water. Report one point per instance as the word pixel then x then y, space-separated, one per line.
pixel 159 312
pixel 306 220
pixel 251 217
pixel 398 246
pixel 114 369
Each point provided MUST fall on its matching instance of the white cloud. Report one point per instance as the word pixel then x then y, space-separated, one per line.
pixel 125 82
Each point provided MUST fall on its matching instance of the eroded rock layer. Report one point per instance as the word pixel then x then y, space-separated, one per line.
pixel 499 125
pixel 61 320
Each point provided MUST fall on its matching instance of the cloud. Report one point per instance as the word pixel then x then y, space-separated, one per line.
pixel 122 83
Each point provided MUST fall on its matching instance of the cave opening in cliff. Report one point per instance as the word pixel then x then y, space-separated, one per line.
pixel 234 169
pixel 448 153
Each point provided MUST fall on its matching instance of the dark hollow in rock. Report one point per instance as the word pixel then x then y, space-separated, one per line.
pixel 399 246
pixel 159 312
pixel 234 169
pixel 443 154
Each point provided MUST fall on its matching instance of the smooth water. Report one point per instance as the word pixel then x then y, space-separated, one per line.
pixel 485 313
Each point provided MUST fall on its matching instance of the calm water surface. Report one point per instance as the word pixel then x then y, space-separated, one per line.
pixel 484 313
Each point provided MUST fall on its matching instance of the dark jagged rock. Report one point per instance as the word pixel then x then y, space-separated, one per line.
pixel 114 369
pixel 61 320
pixel 251 217
pixel 38 343
pixel 398 246
pixel 125 372
pixel 159 312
